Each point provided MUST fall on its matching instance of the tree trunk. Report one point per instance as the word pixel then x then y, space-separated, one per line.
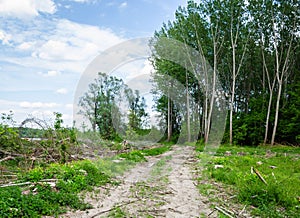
pixel 169 124
pixel 276 112
pixel 213 93
pixel 188 125
pixel 268 117
pixel 232 93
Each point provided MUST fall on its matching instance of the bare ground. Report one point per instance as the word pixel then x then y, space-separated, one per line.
pixel 161 187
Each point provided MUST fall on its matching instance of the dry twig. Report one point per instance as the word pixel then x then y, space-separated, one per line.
pixel 260 176
pixel 225 212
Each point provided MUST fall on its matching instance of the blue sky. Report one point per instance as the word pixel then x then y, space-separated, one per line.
pixel 45 45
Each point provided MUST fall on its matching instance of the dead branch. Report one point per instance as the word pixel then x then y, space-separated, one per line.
pixel 260 176
pixel 224 211
pixel 11 154
pixel 15 184
pixel 211 212
pixel 242 211
pixel 48 181
pixel 9 175
pixel 7 158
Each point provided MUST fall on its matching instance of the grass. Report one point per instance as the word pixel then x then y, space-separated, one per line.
pixel 280 168
pixel 156 151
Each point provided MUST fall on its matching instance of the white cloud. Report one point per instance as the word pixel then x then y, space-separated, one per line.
pixel 4 37
pixel 57 44
pixel 123 5
pixel 69 106
pixel 75 42
pixel 26 46
pixel 26 104
pixel 148 68
pixel 25 9
pixel 50 73
pixel 62 91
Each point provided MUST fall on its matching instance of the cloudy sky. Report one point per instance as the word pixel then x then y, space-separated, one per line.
pixel 45 46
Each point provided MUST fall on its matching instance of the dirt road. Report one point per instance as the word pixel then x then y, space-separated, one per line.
pixel 161 187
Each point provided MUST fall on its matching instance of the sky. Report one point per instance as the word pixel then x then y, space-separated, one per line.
pixel 46 45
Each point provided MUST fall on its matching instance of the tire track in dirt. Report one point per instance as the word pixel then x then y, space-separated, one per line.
pixel 186 200
pixel 161 187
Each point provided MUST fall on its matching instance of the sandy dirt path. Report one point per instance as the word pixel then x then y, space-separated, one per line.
pixel 161 187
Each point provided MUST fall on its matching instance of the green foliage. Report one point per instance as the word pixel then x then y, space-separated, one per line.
pixel 15 204
pixel 135 156
pixel 25 132
pixel 279 166
pixel 157 150
pixel 98 104
pixel 137 113
pixel 200 145
pixel 9 137
pixel 289 127
pixel 81 173
pixel 131 134
pixel 41 199
pixel 259 59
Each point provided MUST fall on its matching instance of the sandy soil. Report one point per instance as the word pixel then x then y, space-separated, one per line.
pixel 161 187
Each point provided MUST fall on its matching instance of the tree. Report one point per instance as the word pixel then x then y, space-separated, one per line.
pixel 99 104
pixel 193 29
pixel 253 48
pixel 137 113
pixel 278 23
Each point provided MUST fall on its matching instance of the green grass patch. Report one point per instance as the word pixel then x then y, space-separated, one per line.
pixel 135 156
pixel 157 150
pixel 279 167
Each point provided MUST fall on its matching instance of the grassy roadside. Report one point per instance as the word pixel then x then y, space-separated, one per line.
pixel 265 179
pixel 55 188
